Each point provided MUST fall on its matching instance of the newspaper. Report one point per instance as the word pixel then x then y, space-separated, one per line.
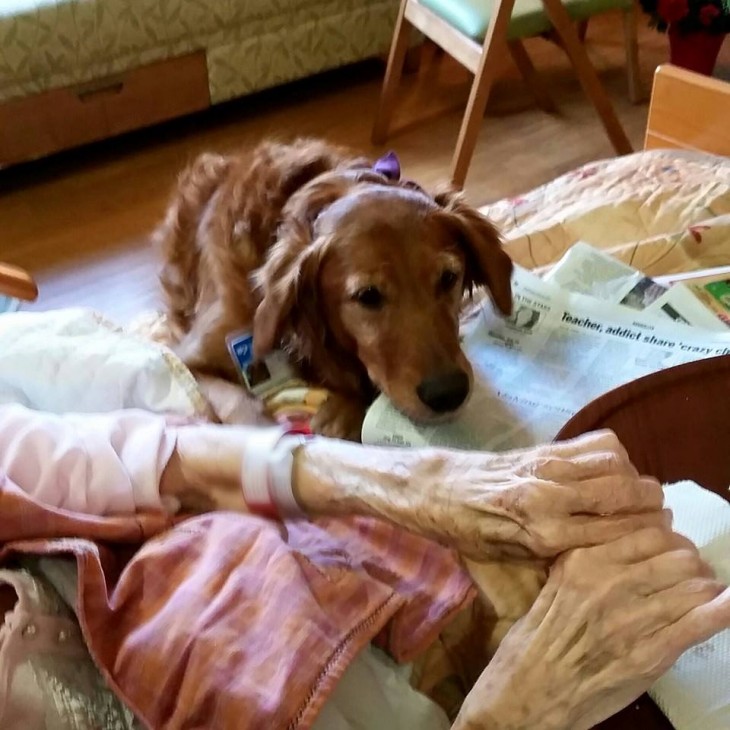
pixel 588 270
pixel 591 271
pixel 711 287
pixel 557 352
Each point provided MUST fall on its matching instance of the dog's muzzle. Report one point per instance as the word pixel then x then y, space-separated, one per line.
pixel 444 393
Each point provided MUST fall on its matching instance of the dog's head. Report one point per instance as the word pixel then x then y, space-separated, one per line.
pixel 367 280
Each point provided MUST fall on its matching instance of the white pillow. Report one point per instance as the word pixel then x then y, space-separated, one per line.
pixel 72 360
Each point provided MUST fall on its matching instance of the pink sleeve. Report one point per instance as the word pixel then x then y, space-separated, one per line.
pixel 99 464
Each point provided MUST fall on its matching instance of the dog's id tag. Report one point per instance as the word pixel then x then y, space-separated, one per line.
pixel 260 377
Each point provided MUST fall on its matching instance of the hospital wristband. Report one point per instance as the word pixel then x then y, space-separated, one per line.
pixel 266 477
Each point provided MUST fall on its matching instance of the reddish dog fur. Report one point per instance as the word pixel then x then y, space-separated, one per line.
pixel 358 278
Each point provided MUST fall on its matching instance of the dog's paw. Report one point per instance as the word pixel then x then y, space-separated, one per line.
pixel 230 403
pixel 339 417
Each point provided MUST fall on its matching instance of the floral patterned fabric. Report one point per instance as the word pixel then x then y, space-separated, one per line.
pixel 663 212
pixel 250 44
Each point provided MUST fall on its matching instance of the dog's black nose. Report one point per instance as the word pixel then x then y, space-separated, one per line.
pixel 444 393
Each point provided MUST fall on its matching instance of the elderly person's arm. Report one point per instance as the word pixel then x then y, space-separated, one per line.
pixel 521 504
pixel 614 614
pixel 585 649
pixel 530 503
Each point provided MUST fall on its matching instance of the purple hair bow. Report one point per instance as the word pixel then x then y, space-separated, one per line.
pixel 389 167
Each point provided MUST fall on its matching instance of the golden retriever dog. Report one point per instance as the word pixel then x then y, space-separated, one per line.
pixel 360 277
pixel 357 275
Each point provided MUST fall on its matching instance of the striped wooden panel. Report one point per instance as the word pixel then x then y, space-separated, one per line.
pixel 688 111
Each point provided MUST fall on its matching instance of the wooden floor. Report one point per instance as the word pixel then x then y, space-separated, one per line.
pixel 80 221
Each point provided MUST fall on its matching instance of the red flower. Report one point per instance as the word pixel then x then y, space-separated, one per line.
pixel 708 13
pixel 672 11
pixel 695 232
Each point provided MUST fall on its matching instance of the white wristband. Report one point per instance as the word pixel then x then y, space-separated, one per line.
pixel 281 473
pixel 266 479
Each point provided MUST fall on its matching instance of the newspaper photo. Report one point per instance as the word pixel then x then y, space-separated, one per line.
pixel 534 370
pixel 588 270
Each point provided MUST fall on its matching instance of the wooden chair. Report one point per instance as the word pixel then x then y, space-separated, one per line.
pixel 17 283
pixel 688 111
pixel 478 32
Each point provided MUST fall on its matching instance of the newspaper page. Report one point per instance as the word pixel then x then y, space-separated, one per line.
pixel 710 287
pixel 681 304
pixel 534 370
pixel 588 270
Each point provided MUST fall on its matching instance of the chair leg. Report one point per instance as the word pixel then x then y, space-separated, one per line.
pixel 413 59
pixel 587 75
pixel 636 92
pixel 489 63
pixel 393 73
pixel 582 30
pixel 530 77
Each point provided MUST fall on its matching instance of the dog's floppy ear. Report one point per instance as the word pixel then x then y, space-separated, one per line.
pixel 288 281
pixel 487 263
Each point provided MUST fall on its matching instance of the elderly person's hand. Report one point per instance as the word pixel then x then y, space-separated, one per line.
pixel 526 504
pixel 588 647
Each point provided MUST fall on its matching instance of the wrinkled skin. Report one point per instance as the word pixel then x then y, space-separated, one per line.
pixel 527 504
pixel 610 621
pixel 623 597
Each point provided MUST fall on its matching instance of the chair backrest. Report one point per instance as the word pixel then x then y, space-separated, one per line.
pixel 688 111
pixel 672 423
pixel 15 285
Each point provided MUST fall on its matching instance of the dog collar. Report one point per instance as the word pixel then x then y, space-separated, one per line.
pixel 286 398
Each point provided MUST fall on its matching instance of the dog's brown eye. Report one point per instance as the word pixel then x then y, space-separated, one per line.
pixel 369 297
pixel 448 280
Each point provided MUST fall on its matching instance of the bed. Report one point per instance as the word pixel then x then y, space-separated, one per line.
pixel 665 209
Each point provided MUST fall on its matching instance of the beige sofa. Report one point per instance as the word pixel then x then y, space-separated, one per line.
pixel 72 71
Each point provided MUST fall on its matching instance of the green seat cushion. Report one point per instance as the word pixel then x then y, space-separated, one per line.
pixel 529 18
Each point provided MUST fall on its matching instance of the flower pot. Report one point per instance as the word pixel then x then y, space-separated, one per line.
pixel 696 51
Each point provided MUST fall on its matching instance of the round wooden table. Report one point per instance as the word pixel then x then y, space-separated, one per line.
pixel 675 424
